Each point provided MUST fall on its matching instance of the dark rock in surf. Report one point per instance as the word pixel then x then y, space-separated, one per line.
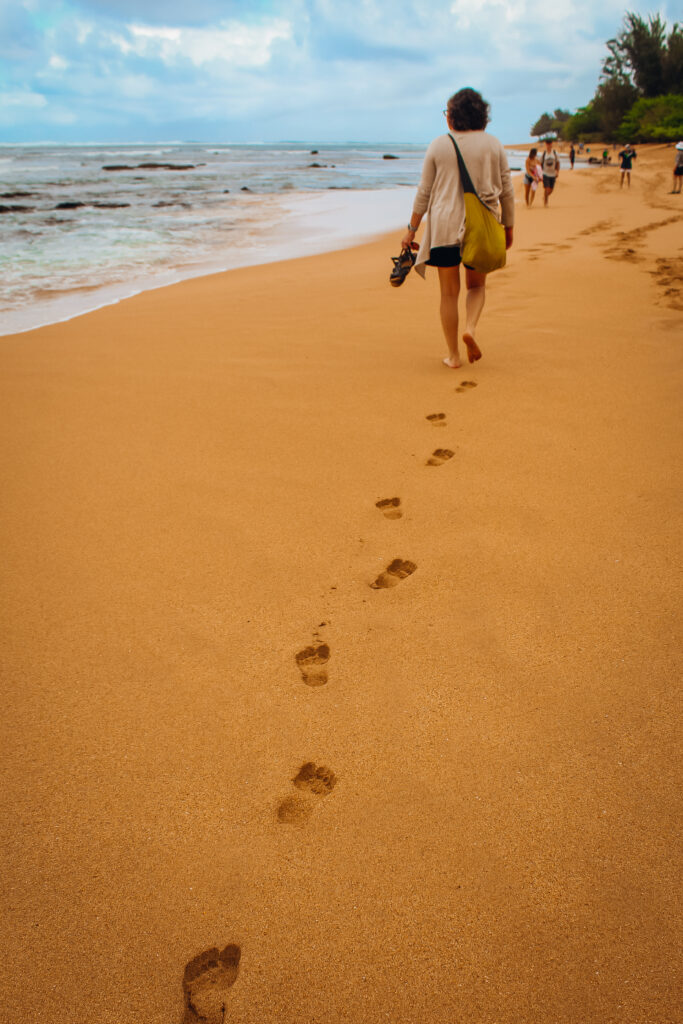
pixel 165 167
pixel 389 156
pixel 69 204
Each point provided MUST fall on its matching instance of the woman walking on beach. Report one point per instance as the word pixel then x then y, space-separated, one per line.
pixel 440 196
pixel 532 176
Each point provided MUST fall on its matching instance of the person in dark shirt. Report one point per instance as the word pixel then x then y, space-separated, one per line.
pixel 572 156
pixel 627 156
pixel 678 170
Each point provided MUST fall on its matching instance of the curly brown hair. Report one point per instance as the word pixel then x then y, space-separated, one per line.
pixel 468 111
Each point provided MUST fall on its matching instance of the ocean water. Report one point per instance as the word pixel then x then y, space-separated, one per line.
pixel 85 225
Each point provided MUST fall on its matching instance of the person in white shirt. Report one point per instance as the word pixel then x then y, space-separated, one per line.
pixel 550 168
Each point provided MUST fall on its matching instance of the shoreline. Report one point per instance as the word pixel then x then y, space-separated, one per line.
pixel 191 536
pixel 309 223
pixel 284 224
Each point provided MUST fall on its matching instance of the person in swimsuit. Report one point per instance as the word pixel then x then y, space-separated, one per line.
pixel 572 157
pixel 627 155
pixel 532 176
pixel 440 196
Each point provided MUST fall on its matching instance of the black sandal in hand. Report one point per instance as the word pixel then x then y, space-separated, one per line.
pixel 403 264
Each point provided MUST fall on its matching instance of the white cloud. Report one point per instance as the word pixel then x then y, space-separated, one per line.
pixel 84 30
pixel 22 98
pixel 219 69
pixel 138 86
pixel 243 46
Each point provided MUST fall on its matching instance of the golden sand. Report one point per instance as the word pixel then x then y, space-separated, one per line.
pixel 307 723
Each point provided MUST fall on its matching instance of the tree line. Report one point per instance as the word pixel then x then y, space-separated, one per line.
pixel 639 97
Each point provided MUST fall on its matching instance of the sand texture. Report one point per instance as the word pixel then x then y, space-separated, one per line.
pixel 340 686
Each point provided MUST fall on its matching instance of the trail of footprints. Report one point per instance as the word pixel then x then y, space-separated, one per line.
pixel 209 976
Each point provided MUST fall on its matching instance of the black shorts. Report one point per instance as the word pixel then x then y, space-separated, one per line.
pixel 549 181
pixel 678 171
pixel 444 256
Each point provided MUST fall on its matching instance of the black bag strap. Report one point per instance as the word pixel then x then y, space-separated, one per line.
pixel 467 184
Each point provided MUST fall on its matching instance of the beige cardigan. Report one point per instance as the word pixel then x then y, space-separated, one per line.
pixel 440 195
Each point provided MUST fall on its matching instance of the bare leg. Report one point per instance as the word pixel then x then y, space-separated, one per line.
pixel 474 303
pixel 546 193
pixel 449 280
pixel 527 190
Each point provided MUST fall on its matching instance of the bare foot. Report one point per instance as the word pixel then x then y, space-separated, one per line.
pixel 452 362
pixel 473 350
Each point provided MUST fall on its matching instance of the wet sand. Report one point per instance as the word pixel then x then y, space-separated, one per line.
pixel 274 753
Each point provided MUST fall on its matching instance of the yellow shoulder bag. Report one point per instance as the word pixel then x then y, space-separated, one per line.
pixel 483 246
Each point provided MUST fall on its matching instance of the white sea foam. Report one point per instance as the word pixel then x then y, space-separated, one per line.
pixel 84 226
pixel 280 228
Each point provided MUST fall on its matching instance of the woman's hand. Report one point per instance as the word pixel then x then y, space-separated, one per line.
pixel 408 241
pixel 509 232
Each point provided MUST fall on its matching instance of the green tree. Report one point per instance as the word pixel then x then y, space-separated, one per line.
pixel 643 55
pixel 584 125
pixel 543 126
pixel 673 62
pixel 659 119
pixel 613 99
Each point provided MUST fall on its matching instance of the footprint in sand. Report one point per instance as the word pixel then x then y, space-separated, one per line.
pixel 438 457
pixel 315 781
pixel 437 419
pixel 312 662
pixel 466 384
pixel 390 507
pixel 393 574
pixel 206 982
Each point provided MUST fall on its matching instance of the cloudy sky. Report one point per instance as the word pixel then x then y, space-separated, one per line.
pixel 315 70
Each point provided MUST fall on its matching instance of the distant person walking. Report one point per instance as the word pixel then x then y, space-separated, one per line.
pixel 572 156
pixel 440 196
pixel 627 156
pixel 532 176
pixel 678 170
pixel 550 166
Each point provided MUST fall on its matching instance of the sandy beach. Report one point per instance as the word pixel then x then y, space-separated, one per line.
pixel 454 798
